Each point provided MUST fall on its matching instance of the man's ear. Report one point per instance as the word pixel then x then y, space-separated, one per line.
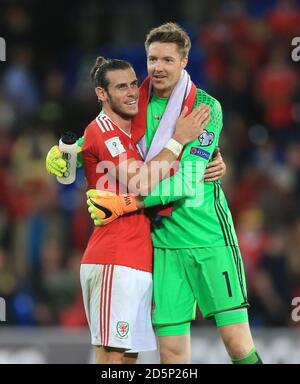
pixel 101 94
pixel 184 62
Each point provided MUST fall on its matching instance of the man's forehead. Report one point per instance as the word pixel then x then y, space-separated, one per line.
pixel 120 76
pixel 158 48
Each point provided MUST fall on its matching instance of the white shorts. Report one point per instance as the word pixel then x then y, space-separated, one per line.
pixel 117 303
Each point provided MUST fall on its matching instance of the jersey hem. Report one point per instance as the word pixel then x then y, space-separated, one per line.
pixel 194 246
pixel 119 264
pixel 211 314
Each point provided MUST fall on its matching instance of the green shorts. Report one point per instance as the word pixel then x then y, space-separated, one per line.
pixel 211 277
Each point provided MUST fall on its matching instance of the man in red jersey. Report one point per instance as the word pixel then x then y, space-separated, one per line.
pixel 116 267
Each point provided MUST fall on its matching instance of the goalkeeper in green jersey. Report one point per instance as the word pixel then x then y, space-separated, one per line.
pixel 196 255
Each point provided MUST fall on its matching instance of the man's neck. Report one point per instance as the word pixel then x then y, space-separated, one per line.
pixel 124 124
pixel 162 94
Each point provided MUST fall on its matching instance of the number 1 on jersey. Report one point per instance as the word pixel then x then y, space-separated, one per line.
pixel 227 283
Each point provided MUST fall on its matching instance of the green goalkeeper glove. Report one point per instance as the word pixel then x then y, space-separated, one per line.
pixel 55 164
pixel 105 207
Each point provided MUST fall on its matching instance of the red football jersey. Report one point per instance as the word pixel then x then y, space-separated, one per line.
pixel 127 240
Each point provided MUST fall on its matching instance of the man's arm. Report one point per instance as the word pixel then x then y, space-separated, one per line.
pixel 141 177
pixel 192 165
pixel 182 185
pixel 187 128
pixel 216 168
pixel 56 165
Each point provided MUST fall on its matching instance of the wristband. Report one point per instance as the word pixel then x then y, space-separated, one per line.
pixel 174 147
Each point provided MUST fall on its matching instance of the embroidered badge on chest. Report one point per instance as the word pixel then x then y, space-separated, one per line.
pixel 206 138
pixel 115 146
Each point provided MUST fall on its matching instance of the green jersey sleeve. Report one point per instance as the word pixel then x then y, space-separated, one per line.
pixel 79 148
pixel 186 183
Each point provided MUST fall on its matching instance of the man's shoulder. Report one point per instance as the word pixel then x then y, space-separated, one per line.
pixel 100 127
pixel 202 97
pixel 216 117
pixel 91 126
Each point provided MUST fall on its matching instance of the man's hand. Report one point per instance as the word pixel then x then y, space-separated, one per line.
pixel 216 168
pixel 105 207
pixel 55 164
pixel 189 127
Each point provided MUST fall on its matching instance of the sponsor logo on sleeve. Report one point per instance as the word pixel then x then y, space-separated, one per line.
pixel 200 152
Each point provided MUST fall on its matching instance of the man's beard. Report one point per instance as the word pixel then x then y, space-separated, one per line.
pixel 115 108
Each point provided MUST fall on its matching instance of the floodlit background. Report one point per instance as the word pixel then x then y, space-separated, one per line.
pixel 242 55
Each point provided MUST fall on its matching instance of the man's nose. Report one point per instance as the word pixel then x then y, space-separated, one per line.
pixel 131 91
pixel 158 66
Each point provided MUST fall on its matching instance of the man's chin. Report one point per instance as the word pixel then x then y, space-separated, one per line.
pixel 129 114
pixel 133 112
pixel 125 113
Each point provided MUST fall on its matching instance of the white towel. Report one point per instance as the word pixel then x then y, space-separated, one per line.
pixel 168 122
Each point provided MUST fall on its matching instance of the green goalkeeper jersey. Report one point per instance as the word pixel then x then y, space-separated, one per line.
pixel 200 217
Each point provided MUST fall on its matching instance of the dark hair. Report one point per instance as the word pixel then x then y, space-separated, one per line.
pixel 170 33
pixel 102 66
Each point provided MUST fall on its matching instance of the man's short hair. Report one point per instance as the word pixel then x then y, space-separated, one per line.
pixel 170 33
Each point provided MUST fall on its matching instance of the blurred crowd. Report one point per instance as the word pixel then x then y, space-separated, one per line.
pixel 241 54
